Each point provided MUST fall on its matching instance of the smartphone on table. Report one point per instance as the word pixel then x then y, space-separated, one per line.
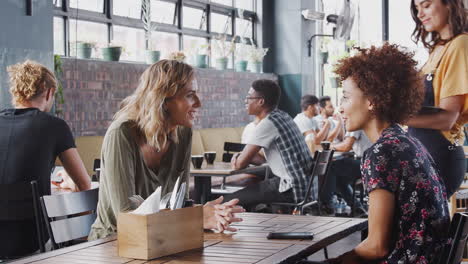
pixel 290 235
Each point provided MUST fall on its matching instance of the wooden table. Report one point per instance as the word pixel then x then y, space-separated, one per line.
pixel 248 245
pixel 202 177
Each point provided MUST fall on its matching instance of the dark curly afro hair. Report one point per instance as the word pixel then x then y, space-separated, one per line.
pixel 388 77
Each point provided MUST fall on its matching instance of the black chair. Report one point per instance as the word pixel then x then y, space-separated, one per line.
pixel 66 217
pixel 458 231
pixel 357 185
pixel 229 148
pixel 20 201
pixel 96 166
pixel 322 161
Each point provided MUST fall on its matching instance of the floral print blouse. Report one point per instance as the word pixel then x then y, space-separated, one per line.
pixel 401 165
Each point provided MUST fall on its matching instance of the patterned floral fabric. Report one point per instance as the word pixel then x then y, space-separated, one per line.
pixel 400 164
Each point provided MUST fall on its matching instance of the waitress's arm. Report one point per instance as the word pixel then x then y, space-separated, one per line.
pixel 443 120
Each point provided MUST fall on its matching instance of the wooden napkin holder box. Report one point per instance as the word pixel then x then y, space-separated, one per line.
pixel 160 234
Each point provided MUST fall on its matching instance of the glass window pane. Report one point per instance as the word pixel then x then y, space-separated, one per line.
pixel 87 32
pixel 165 42
pixel 223 2
pixel 162 12
pixel 127 8
pixel 133 42
pixel 401 27
pixel 367 26
pixel 244 4
pixel 194 46
pixel 194 18
pixel 59 36
pixel 244 28
pixel 58 3
pixel 221 23
pixel 91 5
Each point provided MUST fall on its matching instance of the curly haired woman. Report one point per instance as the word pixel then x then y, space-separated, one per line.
pixel 148 145
pixel 442 26
pixel 408 212
pixel 30 141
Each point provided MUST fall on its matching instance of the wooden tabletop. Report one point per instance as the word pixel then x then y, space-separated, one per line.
pixel 223 169
pixel 248 245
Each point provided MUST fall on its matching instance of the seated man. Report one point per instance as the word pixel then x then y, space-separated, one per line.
pixel 308 125
pixel 345 170
pixel 328 115
pixel 285 150
pixel 247 179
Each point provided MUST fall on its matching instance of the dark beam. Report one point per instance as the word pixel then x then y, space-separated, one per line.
pixel 385 20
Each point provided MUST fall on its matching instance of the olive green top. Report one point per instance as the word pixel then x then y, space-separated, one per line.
pixel 124 173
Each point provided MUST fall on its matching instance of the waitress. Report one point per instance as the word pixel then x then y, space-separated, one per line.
pixel 442 26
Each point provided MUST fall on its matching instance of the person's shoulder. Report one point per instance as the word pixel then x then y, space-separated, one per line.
pixel 461 39
pixel 299 116
pixel 120 128
pixel 51 119
pixel 393 141
pixel 459 43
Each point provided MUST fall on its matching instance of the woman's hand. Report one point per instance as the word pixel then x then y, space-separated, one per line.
pixel 66 183
pixel 219 216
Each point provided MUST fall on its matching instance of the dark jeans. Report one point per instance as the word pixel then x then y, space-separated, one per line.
pixel 452 167
pixel 264 192
pixel 340 178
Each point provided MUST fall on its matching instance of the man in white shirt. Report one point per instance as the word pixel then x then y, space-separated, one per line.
pixel 345 170
pixel 328 116
pixel 285 150
pixel 306 122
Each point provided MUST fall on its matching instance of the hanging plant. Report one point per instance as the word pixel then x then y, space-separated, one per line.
pixel 59 99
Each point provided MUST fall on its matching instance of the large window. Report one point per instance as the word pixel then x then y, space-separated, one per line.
pixel 59 37
pixel 133 40
pixel 221 23
pixel 194 18
pixel 177 24
pixel 127 8
pixel 166 43
pixel 91 5
pixel 163 12
pixel 84 31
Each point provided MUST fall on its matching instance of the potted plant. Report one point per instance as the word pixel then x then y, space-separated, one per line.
pixel 241 55
pixel 324 50
pixel 177 55
pixel 151 54
pixel 112 52
pixel 222 50
pixel 202 55
pixel 83 49
pixel 256 58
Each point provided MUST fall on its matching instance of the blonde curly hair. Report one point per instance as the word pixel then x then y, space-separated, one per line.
pixel 29 80
pixel 145 106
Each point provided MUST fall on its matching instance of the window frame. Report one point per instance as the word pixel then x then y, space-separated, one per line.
pixel 107 17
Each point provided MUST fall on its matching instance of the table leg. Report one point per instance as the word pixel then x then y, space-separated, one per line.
pixel 202 189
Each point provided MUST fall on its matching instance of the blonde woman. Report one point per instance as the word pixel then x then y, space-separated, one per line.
pixel 30 141
pixel 148 145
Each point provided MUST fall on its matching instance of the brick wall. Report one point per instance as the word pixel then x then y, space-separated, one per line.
pixel 93 91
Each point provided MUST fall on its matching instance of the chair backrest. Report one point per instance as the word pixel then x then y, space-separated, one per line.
pixel 65 215
pixel 458 232
pixel 20 201
pixel 321 164
pixel 231 147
